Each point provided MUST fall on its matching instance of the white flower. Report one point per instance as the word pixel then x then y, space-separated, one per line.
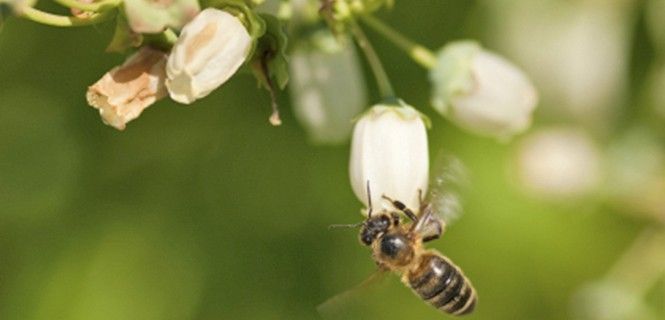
pixel 320 71
pixel 578 57
pixel 208 52
pixel 481 91
pixel 559 163
pixel 389 151
pixel 125 91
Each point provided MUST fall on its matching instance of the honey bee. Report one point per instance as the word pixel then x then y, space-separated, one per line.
pixel 398 247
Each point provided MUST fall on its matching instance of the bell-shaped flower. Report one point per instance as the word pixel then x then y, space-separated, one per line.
pixel 389 153
pixel 125 91
pixel 580 57
pixel 481 91
pixel 209 50
pixel 320 70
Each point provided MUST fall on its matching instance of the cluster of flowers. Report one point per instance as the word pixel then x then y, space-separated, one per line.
pixel 209 50
pixel 471 86
pixel 474 88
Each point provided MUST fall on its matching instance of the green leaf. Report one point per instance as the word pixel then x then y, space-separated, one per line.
pixel 124 37
pixel 270 62
pixel 154 16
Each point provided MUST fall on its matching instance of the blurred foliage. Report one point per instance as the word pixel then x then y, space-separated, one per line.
pixel 208 212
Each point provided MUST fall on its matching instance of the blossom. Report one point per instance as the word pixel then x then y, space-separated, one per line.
pixel 320 71
pixel 125 91
pixel 559 163
pixel 481 91
pixel 579 57
pixel 389 152
pixel 208 52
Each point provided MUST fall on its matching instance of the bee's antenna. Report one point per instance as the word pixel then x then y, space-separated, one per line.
pixel 369 201
pixel 351 225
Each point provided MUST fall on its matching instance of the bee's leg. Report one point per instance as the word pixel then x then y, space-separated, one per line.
pixel 369 201
pixel 395 218
pixel 350 225
pixel 428 226
pixel 402 207
pixel 432 231
pixel 421 202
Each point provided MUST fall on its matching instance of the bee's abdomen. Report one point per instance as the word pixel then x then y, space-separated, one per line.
pixel 442 284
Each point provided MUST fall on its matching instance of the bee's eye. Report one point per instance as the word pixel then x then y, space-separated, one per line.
pixel 366 239
pixel 385 222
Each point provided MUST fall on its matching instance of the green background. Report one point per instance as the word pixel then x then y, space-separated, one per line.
pixel 208 212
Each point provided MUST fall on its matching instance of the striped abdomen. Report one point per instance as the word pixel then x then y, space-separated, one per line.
pixel 442 284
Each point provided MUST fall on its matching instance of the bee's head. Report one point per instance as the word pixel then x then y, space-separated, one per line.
pixel 377 225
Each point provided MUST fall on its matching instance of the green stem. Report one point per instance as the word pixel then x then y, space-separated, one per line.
pixel 163 41
pixel 385 88
pixel 418 53
pixel 99 6
pixel 170 36
pixel 50 19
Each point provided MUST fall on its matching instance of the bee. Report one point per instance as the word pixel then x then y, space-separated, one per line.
pixel 399 248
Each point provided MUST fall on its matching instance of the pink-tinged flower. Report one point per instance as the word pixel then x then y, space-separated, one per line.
pixel 208 52
pixel 125 91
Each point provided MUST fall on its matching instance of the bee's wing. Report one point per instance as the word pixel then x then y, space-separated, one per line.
pixel 449 179
pixel 334 307
pixel 429 225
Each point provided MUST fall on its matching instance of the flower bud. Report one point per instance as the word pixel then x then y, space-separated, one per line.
pixel 320 70
pixel 208 52
pixel 481 91
pixel 389 152
pixel 122 93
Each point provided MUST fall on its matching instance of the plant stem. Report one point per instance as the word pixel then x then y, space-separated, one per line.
pixel 50 19
pixel 99 6
pixel 418 53
pixel 163 41
pixel 385 88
